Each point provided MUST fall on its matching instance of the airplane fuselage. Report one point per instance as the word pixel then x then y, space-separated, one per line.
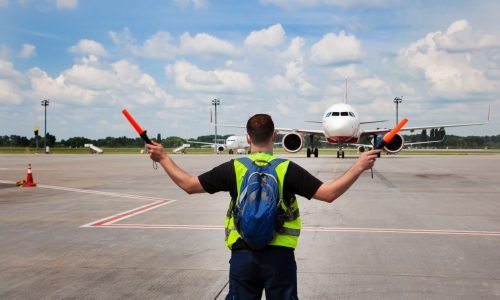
pixel 236 142
pixel 341 124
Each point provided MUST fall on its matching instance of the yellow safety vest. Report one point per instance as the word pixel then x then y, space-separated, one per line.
pixel 288 235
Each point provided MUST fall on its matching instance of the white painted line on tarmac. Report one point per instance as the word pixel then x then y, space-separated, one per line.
pixel 110 222
pixel 61 188
pixel 314 229
pixel 68 189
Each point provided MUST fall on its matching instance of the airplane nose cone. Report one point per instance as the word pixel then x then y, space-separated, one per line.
pixel 339 127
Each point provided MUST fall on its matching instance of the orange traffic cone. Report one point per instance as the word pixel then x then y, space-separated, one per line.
pixel 29 178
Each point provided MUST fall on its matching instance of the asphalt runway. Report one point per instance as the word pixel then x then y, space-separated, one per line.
pixel 112 227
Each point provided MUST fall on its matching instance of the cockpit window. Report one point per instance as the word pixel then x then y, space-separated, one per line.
pixel 328 114
pixel 335 114
pixel 352 114
pixel 344 114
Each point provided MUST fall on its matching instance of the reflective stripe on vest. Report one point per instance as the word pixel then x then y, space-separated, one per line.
pixel 288 235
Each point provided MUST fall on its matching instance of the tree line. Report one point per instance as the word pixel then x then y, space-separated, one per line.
pixel 450 141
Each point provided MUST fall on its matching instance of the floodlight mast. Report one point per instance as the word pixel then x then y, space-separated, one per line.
pixel 216 102
pixel 45 103
pixel 397 100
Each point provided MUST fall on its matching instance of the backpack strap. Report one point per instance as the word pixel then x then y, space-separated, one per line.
pixel 246 161
pixel 273 163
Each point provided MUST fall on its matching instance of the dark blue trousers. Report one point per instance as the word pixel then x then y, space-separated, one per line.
pixel 272 269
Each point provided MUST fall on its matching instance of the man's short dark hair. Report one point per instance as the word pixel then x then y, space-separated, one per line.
pixel 260 128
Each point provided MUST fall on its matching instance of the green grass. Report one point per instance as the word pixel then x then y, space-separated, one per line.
pixel 326 151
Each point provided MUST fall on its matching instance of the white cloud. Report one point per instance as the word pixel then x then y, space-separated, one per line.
pixel 12 84
pixel 27 51
pixel 269 38
pixel 449 61
pixel 279 83
pixel 342 3
pixel 90 74
pixel 295 73
pixel 374 86
pixel 4 51
pixel 66 4
pixel 158 46
pixel 88 47
pixel 461 37
pixel 336 49
pixel 205 44
pixel 197 4
pixel 7 70
pixel 189 77
pixel 90 81
pixel 294 51
pixel 10 94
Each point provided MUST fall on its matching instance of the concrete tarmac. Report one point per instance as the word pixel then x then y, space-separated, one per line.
pixel 112 227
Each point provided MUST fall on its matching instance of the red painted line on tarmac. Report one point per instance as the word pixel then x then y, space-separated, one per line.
pixel 121 216
pixel 159 226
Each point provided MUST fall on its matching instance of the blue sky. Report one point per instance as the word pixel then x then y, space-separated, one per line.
pixel 166 60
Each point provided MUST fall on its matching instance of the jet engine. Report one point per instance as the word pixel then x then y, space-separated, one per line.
pixel 220 148
pixel 293 142
pixel 395 145
pixel 361 149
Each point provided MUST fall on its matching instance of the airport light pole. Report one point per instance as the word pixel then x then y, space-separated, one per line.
pixel 215 102
pixel 397 100
pixel 45 103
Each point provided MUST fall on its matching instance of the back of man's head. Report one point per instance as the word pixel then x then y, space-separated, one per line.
pixel 260 128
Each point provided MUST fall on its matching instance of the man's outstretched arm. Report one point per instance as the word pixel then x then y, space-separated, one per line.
pixel 330 191
pixel 183 179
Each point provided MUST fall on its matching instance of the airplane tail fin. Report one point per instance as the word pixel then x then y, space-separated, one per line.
pixel 345 92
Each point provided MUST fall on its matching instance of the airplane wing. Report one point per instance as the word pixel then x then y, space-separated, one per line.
pixel 369 122
pixel 205 144
pixel 418 143
pixel 411 129
pixel 282 129
pixel 305 131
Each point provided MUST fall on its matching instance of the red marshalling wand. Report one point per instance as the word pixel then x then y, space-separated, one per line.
pixel 389 136
pixel 142 133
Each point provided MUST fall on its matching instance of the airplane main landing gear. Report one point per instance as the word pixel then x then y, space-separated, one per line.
pixel 230 151
pixel 311 151
pixel 340 154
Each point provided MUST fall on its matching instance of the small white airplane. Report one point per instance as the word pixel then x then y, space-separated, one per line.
pixel 234 144
pixel 342 126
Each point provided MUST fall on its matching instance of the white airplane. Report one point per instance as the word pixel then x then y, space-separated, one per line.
pixel 234 143
pixel 342 126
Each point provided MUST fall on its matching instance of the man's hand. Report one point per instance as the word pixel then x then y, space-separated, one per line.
pixel 156 151
pixel 367 159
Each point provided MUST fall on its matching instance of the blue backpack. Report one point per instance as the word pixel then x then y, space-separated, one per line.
pixel 255 212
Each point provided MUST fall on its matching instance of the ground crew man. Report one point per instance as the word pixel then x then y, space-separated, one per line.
pixel 272 268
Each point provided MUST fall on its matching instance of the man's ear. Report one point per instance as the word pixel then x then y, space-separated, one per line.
pixel 274 137
pixel 249 141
